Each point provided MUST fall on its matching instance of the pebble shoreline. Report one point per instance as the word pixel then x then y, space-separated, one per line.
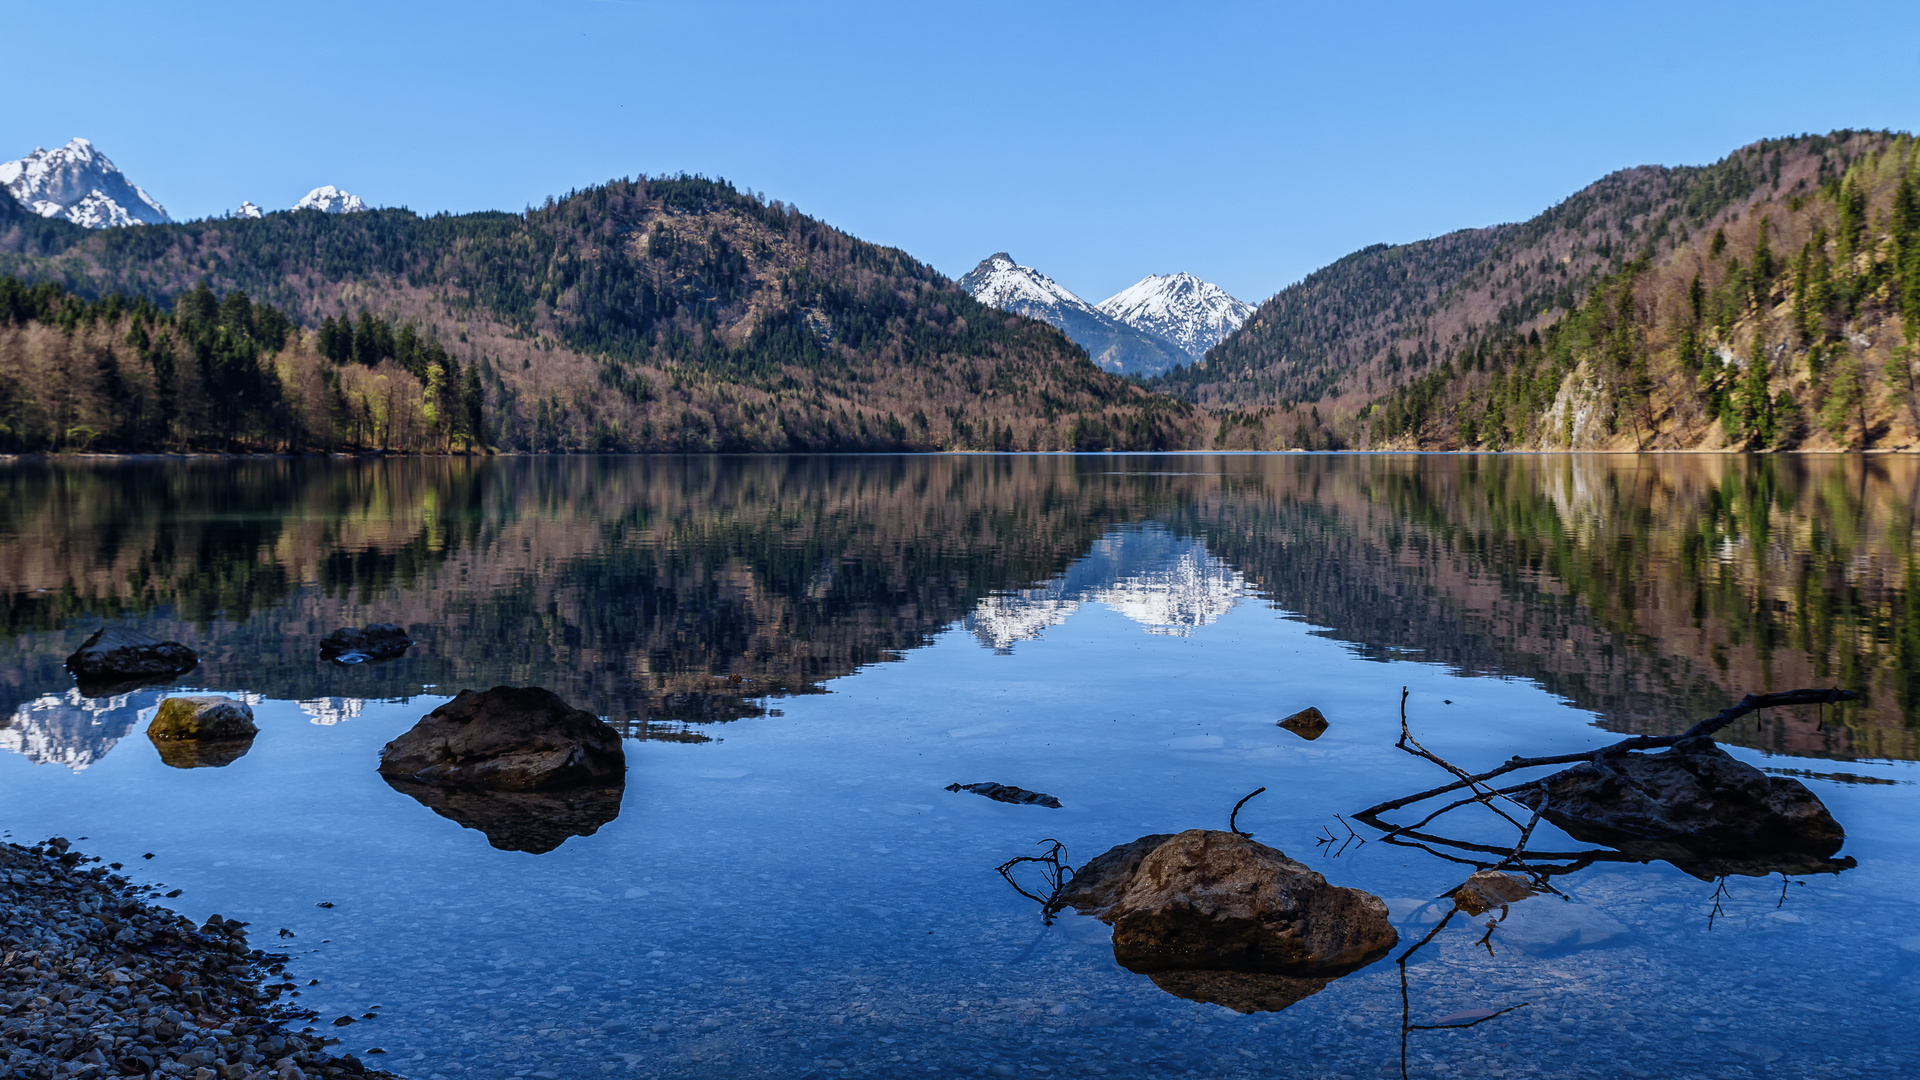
pixel 95 981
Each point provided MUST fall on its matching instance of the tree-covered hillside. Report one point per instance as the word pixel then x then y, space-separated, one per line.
pixel 651 314
pixel 1790 324
pixel 1322 353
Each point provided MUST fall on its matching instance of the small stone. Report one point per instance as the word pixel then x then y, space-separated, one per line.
pixel 1007 793
pixel 361 644
pixel 1309 723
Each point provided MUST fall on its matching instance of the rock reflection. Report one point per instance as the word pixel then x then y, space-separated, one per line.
pixel 202 754
pixel 535 822
pixel 1241 991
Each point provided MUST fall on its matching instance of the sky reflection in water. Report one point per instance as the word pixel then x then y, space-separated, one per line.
pixel 799 894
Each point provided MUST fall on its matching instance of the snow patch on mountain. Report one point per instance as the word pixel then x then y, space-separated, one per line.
pixel 247 210
pixel 81 185
pixel 331 200
pixel 1113 345
pixel 1193 314
pixel 1000 282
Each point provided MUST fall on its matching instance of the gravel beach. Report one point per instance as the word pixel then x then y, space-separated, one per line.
pixel 95 981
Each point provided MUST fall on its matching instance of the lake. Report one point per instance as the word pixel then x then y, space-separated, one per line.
pixel 806 651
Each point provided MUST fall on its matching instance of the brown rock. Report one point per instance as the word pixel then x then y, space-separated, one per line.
pixel 1243 992
pixel 1489 889
pixel 1308 723
pixel 1096 887
pixel 1217 901
pixel 1696 795
pixel 114 660
pixel 208 719
pixel 507 738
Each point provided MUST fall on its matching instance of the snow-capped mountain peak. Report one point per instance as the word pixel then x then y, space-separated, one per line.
pixel 1187 311
pixel 1000 282
pixel 247 210
pixel 331 200
pixel 80 184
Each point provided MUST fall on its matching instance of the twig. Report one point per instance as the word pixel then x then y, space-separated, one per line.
pixel 1412 746
pixel 1470 1023
pixel 1054 869
pixel 1719 893
pixel 1748 704
pixel 1329 838
pixel 1526 833
pixel 1231 818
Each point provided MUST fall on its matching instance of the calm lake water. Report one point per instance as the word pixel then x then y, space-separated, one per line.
pixel 806 651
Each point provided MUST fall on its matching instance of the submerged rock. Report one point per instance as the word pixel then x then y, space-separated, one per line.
pixel 1489 889
pixel 1695 795
pixel 1554 927
pixel 114 660
pixel 1309 723
pixel 360 644
pixel 202 732
pixel 530 821
pixel 1007 793
pixel 1204 900
pixel 507 738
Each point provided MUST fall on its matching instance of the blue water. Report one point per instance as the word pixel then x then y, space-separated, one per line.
pixel 800 896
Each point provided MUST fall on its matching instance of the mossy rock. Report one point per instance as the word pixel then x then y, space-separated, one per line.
pixel 206 719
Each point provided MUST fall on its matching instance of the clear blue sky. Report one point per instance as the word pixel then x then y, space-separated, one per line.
pixel 1245 143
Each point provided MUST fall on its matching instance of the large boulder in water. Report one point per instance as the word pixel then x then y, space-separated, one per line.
pixel 1204 900
pixel 1695 795
pixel 507 738
pixel 202 732
pixel 114 660
pixel 360 644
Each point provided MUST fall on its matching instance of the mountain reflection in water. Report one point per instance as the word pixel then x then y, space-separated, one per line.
pixel 675 591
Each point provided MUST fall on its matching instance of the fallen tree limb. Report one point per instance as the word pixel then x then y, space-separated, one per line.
pixel 1748 704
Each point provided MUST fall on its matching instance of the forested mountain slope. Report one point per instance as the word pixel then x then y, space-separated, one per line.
pixel 1318 357
pixel 654 314
pixel 1789 324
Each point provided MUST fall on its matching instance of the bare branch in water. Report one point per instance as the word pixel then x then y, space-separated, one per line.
pixel 1233 817
pixel 1750 703
pixel 1053 867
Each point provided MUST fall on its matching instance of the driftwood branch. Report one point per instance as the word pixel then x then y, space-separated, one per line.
pixel 1235 816
pixel 1703 729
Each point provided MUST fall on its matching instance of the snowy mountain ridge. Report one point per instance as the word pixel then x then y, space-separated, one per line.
pixel 1191 313
pixel 1000 282
pixel 331 200
pixel 79 184
pixel 1113 345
